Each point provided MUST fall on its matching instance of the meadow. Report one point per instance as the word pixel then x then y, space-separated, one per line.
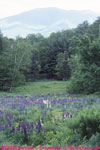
pixel 36 112
pixel 39 87
pixel 43 114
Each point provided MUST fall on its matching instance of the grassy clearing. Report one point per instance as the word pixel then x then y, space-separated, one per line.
pixel 42 87
pixel 39 87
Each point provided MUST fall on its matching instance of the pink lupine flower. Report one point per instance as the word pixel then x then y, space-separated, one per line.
pixel 69 115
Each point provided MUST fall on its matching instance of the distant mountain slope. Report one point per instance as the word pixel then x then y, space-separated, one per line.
pixel 44 21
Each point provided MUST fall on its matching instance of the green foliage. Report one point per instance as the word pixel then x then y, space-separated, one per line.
pixel 62 67
pixel 85 79
pixel 71 54
pixel 14 62
pixel 33 72
pixel 68 55
pixel 6 66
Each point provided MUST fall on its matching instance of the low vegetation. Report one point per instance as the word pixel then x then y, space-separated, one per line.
pixel 43 82
pixel 49 120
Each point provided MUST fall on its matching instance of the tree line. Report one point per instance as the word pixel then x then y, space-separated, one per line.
pixel 72 55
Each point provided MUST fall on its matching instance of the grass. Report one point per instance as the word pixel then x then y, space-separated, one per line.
pixel 39 87
pixel 54 133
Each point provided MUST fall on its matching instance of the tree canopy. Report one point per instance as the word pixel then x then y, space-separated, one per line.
pixel 72 55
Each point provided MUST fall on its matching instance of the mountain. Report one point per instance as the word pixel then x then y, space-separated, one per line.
pixel 44 21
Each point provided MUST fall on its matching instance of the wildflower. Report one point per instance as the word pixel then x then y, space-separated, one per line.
pixel 64 115
pixel 12 130
pixel 18 128
pixel 32 126
pixel 38 127
pixel 89 107
pixel 69 115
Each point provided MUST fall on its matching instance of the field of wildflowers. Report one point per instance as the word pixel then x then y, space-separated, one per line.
pixel 51 119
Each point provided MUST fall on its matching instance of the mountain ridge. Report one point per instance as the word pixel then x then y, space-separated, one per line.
pixel 44 21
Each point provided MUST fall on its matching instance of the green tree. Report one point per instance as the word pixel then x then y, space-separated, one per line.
pixel 86 77
pixel 34 68
pixel 20 53
pixel 62 67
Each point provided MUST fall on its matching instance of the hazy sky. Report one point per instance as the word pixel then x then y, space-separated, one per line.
pixel 12 7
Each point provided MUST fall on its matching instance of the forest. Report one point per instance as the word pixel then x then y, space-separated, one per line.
pixel 50 88
pixel 68 55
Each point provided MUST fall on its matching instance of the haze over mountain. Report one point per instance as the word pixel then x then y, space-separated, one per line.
pixel 44 21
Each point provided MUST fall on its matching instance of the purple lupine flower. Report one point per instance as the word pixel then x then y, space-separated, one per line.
pixel 44 114
pixel 9 123
pixel 12 130
pixel 38 127
pixel 89 107
pixel 16 119
pixel 18 128
pixel 23 119
pixel 63 115
pixel 23 125
pixel 80 106
pixel 42 105
pixel 6 126
pixel 27 125
pixel 32 125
